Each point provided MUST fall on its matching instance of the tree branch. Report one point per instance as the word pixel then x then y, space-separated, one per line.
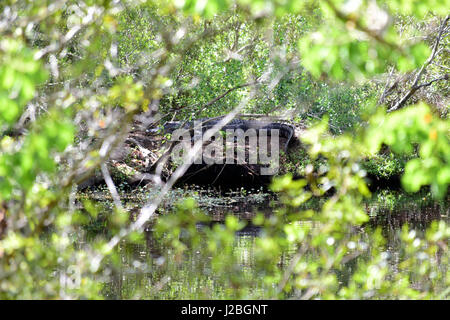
pixel 416 86
pixel 446 77
pixel 227 92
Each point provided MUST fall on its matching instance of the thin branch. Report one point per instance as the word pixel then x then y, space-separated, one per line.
pixel 441 66
pixel 111 187
pixel 387 90
pixel 415 86
pixel 229 91
pixel 446 77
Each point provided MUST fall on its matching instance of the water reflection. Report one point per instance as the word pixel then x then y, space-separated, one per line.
pixel 144 267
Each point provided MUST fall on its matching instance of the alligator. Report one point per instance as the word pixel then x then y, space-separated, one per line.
pixel 285 130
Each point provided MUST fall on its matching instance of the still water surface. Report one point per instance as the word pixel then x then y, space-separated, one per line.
pixel 149 271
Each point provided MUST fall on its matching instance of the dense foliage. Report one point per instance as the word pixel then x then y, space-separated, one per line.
pixel 75 75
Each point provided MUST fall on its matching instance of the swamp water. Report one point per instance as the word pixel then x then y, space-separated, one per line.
pixel 149 270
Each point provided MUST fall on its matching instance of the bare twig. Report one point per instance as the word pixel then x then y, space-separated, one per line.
pixel 387 90
pixel 111 187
